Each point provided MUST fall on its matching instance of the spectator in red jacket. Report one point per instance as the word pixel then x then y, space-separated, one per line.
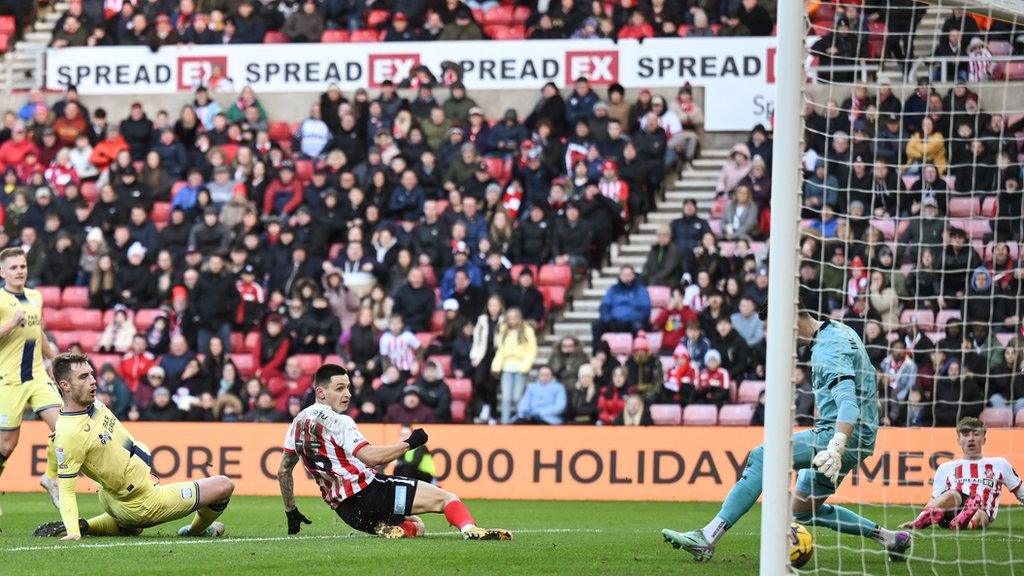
pixel 291 384
pixel 136 363
pixel 683 377
pixel 672 321
pixel 13 151
pixel 612 400
pixel 713 385
pixel 284 195
pixel 271 348
pixel 637 28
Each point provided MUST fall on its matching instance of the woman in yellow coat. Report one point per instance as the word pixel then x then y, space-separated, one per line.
pixel 926 147
pixel 513 358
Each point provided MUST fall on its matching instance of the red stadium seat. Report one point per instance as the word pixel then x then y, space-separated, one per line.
pixel 478 15
pixel 8 25
pixel 975 227
pixel 555 275
pixel 108 317
pixel 716 227
pixel 654 341
pixel 445 362
pixel 309 362
pixel 1000 47
pixel 377 18
pixel 659 295
pixel 499 15
pixel 886 226
pixel 363 35
pixel 461 388
pixel 229 151
pixel 458 408
pixel 334 359
pixel 1008 71
pixel 964 207
pixel 51 296
pixel 437 321
pixel 517 269
pixel 700 415
pixel 997 417
pixel 735 415
pixel 718 208
pixel 99 360
pixel 944 316
pixel 304 170
pixel 88 339
pixel 85 319
pixel 426 338
pixel 503 32
pixel 280 131
pixel 161 212
pixel 1019 419
pixel 64 339
pixel 55 320
pixel 554 296
pixel 925 319
pixel 621 343
pixel 667 363
pixel 429 276
pixel 74 297
pixel 334 36
pixel 750 391
pixel 521 15
pixel 990 207
pixel 251 340
pixel 666 414
pixel 275 37
pixel 1004 338
pixel 244 364
pixel 144 318
pixel 238 343
pixel 5 43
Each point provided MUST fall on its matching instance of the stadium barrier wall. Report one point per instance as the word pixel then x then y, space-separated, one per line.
pixel 737 74
pixel 533 462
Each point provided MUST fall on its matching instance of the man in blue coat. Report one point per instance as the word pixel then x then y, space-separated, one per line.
pixel 626 307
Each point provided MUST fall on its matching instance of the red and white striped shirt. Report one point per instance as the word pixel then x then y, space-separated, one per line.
pixel 984 477
pixel 400 349
pixel 327 443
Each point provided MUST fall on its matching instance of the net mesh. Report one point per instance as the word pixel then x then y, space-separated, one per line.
pixel 912 226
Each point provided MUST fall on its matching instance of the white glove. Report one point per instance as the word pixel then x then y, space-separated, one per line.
pixel 830 460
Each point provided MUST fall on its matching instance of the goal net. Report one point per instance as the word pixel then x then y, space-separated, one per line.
pixel 911 229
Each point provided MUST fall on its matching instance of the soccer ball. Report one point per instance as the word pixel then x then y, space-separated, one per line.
pixel 801 545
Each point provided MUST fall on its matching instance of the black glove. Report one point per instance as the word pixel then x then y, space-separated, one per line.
pixel 416 439
pixel 295 520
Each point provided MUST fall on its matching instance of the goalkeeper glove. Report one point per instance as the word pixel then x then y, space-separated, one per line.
pixel 830 460
pixel 416 439
pixel 295 520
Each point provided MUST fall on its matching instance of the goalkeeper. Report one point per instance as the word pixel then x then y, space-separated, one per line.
pixel 844 434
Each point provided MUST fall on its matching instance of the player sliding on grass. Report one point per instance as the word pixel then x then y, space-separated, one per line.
pixel 342 463
pixel 90 440
pixel 844 390
pixel 965 493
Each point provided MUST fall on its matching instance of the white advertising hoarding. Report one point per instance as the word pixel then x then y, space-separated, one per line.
pixel 736 73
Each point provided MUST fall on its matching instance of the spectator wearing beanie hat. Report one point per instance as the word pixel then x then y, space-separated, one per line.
pixel 643 369
pixel 683 378
pixel 714 382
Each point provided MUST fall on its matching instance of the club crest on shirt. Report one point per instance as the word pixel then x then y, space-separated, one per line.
pixel 59 452
pixel 104 438
pixel 186 493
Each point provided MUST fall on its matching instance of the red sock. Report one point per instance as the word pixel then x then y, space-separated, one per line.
pixel 458 515
pixel 409 528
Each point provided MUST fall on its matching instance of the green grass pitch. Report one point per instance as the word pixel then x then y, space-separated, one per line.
pixel 586 538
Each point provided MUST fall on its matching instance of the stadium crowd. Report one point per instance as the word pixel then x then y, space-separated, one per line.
pixel 424 242
pixel 156 23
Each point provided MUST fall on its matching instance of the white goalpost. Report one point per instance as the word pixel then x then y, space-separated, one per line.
pixel 890 191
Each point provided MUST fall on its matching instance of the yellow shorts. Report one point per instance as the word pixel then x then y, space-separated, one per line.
pixel 154 505
pixel 39 394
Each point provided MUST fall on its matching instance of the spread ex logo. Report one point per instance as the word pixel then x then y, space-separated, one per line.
pixel 601 67
pixel 394 67
pixel 194 71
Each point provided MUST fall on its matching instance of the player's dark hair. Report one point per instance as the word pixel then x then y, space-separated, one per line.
pixel 63 362
pixel 762 312
pixel 325 373
pixel 11 253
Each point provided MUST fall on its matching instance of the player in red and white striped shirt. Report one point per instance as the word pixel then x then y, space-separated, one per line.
pixel 342 462
pixel 965 493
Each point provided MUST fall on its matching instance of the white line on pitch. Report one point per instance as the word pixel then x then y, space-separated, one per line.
pixel 193 541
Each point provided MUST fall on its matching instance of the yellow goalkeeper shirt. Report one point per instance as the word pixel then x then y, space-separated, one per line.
pixel 96 444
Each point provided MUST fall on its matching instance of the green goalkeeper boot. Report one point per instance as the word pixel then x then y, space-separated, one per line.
pixel 692 541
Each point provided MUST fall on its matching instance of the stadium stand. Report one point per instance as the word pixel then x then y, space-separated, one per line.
pixel 327 227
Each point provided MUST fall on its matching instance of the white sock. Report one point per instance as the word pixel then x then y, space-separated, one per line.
pixel 467 527
pixel 715 530
pixel 884 537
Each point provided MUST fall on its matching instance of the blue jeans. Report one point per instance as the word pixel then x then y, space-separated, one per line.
pixel 513 384
pixel 204 335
